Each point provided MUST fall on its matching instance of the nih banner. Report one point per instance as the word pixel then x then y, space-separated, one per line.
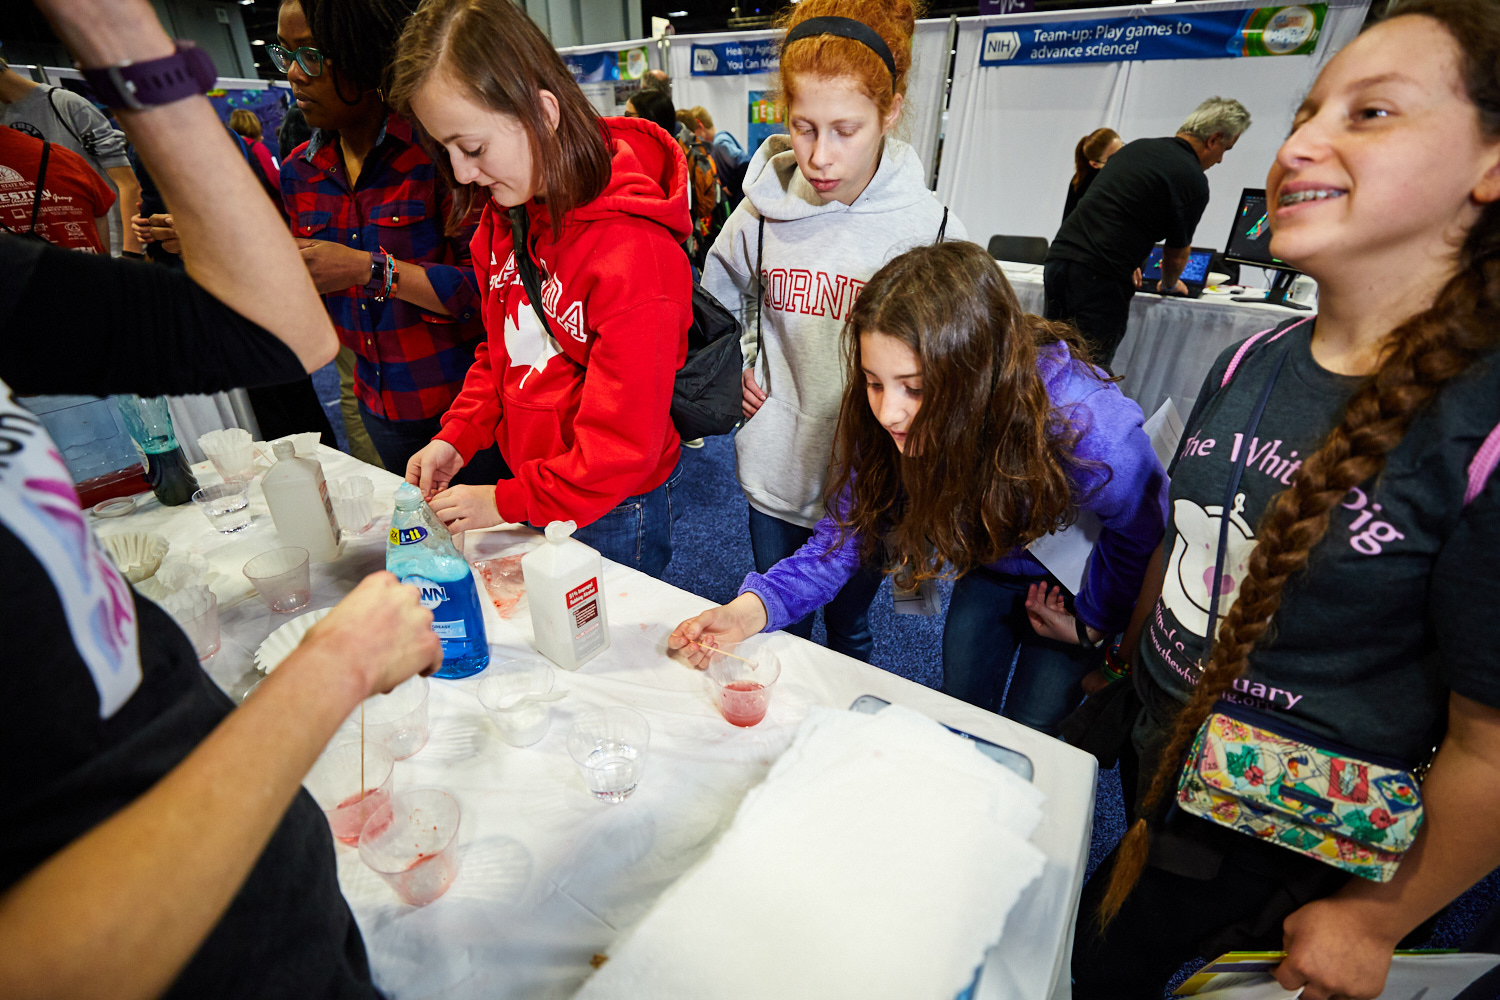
pixel 1264 31
pixel 737 58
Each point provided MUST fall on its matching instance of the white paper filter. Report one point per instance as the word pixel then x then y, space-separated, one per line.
pixel 878 860
pixel 280 643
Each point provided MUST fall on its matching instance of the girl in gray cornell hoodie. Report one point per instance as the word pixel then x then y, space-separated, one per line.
pixel 825 206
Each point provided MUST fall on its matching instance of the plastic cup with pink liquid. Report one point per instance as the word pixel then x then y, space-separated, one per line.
pixel 411 841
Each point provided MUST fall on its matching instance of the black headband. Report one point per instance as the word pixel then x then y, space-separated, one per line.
pixel 844 27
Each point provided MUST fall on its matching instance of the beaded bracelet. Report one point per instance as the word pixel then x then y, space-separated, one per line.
pixel 389 288
pixel 1114 668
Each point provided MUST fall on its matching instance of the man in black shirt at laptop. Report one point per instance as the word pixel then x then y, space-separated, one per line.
pixel 1152 190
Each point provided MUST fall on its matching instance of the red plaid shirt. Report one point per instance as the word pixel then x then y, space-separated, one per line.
pixel 410 363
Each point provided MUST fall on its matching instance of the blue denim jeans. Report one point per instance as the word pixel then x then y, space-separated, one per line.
pixel 986 626
pixel 847 616
pixel 398 440
pixel 638 532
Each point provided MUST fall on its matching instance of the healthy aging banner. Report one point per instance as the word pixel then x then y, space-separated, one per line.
pixel 737 58
pixel 1263 31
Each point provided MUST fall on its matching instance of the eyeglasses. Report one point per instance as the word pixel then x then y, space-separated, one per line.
pixel 310 59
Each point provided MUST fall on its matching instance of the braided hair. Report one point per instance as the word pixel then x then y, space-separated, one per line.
pixel 358 37
pixel 1419 357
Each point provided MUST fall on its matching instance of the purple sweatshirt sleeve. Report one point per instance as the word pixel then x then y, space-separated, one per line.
pixel 1130 500
pixel 808 578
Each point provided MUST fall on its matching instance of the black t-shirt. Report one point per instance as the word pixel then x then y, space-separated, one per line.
pixel 1075 194
pixel 1151 191
pixel 104 691
pixel 1397 605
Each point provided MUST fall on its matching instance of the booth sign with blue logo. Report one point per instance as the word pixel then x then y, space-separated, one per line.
pixel 594 67
pixel 1263 31
pixel 737 58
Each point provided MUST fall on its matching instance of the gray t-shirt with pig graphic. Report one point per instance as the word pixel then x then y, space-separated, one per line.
pixel 1400 601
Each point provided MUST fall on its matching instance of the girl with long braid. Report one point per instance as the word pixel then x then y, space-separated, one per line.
pixel 1356 577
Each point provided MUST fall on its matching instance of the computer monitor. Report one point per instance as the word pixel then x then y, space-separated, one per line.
pixel 1250 243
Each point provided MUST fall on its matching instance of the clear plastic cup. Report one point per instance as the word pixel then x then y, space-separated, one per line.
pixel 397 721
pixel 353 503
pixel 335 784
pixel 197 611
pixel 232 451
pixel 509 682
pixel 741 690
pixel 226 505
pixel 412 842
pixel 609 747
pixel 281 578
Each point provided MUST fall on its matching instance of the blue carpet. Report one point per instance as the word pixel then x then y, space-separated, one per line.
pixel 326 383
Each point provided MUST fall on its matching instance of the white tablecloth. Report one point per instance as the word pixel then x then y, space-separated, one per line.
pixel 549 876
pixel 1170 343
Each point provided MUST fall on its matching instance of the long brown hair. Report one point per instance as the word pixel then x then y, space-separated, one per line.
pixel 494 50
pixel 832 56
pixel 1420 356
pixel 1090 147
pixel 989 463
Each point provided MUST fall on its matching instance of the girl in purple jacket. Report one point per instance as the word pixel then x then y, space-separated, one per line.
pixel 1019 434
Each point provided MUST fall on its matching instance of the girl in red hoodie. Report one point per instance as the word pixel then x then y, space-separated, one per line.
pixel 578 405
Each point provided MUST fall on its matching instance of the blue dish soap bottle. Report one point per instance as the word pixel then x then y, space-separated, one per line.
pixel 420 552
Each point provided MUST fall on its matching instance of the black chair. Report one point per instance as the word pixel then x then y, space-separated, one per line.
pixel 1021 249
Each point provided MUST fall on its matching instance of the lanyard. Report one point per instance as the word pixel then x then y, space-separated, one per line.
pixel 1234 484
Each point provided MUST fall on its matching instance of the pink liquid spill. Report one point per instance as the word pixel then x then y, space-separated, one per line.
pixel 503 582
pixel 743 703
pixel 348 817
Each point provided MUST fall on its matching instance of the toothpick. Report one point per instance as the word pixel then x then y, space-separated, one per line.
pixel 716 649
pixel 361 751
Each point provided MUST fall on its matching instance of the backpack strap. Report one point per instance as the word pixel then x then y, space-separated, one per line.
pixel 41 177
pixel 760 298
pixel 520 225
pixel 88 144
pixel 1484 463
pixel 1239 355
pixel 942 226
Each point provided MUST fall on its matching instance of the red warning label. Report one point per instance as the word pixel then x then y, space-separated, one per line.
pixel 586 614
pixel 583 592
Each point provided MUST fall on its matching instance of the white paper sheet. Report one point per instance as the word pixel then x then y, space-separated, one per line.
pixel 878 859
pixel 1066 553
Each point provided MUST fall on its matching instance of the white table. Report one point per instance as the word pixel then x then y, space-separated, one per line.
pixel 1170 343
pixel 549 876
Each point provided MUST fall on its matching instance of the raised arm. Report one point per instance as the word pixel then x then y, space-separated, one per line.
pixel 234 243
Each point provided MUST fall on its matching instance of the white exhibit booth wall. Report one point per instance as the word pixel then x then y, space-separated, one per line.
pixel 1008 151
pixel 727 98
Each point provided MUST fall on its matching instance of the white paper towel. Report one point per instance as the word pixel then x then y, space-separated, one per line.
pixel 878 859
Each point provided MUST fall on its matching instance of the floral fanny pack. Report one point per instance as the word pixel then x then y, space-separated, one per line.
pixel 1295 791
pixel 1286 787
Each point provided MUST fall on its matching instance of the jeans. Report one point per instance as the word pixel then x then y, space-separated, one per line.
pixel 847 616
pixel 986 625
pixel 1097 304
pixel 398 440
pixel 638 532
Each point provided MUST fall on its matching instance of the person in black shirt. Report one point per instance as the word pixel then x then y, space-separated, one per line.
pixel 1151 190
pixel 154 840
pixel 1089 157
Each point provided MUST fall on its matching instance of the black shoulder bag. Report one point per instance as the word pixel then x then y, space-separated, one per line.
pixel 706 394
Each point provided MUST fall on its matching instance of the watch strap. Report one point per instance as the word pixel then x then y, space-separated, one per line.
pixel 1083 634
pixel 136 86
pixel 376 284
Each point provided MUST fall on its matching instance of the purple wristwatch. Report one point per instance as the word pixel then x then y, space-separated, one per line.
pixel 140 85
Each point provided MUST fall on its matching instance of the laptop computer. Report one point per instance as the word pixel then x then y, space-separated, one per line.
pixel 1194 275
